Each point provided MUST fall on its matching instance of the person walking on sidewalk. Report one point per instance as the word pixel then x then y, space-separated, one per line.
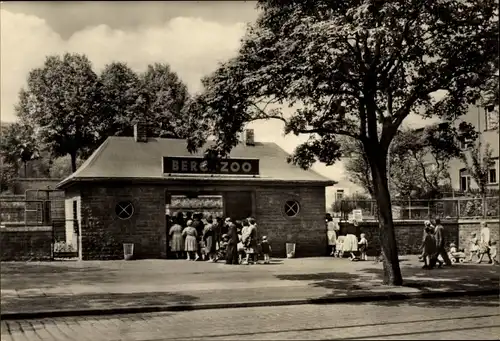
pixel 484 243
pixel 428 248
pixel 439 234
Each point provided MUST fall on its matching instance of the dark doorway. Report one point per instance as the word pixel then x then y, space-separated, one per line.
pixel 238 205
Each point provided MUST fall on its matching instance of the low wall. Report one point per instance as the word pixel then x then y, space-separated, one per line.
pixel 409 234
pixel 26 243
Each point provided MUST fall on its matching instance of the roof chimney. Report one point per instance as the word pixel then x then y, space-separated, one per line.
pixel 249 137
pixel 140 131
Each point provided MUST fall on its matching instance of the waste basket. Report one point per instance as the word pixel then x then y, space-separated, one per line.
pixel 128 251
pixel 290 250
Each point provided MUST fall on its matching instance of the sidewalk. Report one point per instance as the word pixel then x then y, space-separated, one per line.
pixel 74 288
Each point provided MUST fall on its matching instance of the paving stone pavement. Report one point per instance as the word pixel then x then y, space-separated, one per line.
pixel 443 319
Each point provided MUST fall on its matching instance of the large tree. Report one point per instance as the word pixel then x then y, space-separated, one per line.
pixel 62 99
pixel 353 68
pixel 120 94
pixel 162 99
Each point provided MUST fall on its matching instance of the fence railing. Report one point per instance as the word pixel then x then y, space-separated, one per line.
pixel 449 208
pixel 22 212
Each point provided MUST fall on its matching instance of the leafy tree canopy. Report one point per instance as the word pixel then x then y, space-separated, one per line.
pixel 352 68
pixel 62 100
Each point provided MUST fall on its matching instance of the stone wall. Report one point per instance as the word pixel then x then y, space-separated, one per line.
pixel 103 232
pixel 26 243
pixel 307 229
pixel 409 234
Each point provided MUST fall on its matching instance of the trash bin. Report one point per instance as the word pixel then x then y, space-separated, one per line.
pixel 290 250
pixel 128 251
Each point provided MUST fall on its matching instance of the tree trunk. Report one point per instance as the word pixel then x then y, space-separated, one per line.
pixel 378 165
pixel 25 169
pixel 73 162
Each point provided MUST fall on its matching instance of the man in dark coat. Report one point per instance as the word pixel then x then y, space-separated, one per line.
pixel 232 245
pixel 439 235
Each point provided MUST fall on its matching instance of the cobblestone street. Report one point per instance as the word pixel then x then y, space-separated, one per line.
pixel 445 319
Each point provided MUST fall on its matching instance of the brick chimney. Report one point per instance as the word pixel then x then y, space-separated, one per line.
pixel 248 137
pixel 140 132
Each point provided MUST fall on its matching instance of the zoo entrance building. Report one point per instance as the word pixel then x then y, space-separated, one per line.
pixel 123 192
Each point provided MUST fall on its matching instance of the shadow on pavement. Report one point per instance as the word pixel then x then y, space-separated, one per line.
pixel 19 276
pixel 368 281
pixel 95 301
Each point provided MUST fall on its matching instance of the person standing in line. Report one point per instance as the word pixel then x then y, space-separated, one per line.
pixel 176 239
pixel 249 238
pixel 208 237
pixel 232 252
pixel 266 250
pixel 331 232
pixel 441 242
pixel 191 241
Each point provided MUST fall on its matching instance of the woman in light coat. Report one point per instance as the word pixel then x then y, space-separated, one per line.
pixel 191 241
pixel 176 239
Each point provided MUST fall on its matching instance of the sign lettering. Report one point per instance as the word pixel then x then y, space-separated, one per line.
pixel 199 165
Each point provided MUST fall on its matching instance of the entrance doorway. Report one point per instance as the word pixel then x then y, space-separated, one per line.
pixel 237 205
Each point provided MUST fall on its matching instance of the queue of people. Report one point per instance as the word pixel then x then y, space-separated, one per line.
pixel 212 240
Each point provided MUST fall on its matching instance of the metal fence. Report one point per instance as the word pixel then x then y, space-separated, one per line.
pixel 450 208
pixel 19 211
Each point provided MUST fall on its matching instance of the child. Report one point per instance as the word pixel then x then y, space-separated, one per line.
pixel 339 247
pixel 474 246
pixel 454 254
pixel 494 252
pixel 241 250
pixel 221 253
pixel 428 249
pixel 266 249
pixel 363 246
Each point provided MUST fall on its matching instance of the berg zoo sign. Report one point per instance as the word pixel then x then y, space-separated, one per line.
pixel 199 165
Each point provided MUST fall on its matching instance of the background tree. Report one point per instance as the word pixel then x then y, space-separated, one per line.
pixel 357 165
pixel 120 94
pixel 355 69
pixel 62 100
pixel 162 98
pixel 19 146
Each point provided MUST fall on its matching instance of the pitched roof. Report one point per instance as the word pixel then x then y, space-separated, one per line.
pixel 121 158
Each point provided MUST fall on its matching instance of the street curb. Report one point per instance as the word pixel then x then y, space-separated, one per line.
pixel 230 305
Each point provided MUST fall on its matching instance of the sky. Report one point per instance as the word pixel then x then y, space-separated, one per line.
pixel 193 37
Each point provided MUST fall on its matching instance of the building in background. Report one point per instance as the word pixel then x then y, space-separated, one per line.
pixel 486 123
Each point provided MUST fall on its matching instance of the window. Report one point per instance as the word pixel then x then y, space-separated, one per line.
pixel 124 210
pixel 492 176
pixel 339 195
pixel 464 180
pixel 465 144
pixel 75 210
pixel 491 118
pixel 292 208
